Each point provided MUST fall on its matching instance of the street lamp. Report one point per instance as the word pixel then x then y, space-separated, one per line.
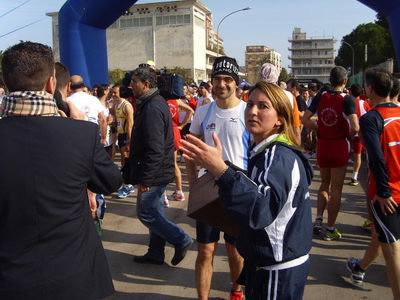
pixel 352 69
pixel 247 8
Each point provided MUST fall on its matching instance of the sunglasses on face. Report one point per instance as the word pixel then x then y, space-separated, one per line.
pixel 227 80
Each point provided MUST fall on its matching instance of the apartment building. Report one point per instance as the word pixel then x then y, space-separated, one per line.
pixel 255 56
pixel 312 57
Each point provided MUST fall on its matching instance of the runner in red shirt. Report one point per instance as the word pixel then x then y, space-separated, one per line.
pixel 174 106
pixel 362 107
pixel 337 125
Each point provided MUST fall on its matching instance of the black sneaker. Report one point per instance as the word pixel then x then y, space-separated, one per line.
pixel 317 226
pixel 180 254
pixel 356 277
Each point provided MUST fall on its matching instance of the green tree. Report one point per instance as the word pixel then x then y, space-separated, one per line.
pixel 383 22
pixel 284 76
pixel 379 46
pixel 115 76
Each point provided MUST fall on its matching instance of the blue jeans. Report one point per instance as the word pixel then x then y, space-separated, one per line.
pixel 150 211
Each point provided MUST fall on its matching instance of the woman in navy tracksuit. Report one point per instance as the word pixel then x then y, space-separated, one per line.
pixel 272 208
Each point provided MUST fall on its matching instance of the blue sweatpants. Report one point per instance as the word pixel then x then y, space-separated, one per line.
pixel 286 284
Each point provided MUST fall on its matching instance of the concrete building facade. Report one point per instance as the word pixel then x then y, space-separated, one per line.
pixel 311 57
pixel 255 56
pixel 172 34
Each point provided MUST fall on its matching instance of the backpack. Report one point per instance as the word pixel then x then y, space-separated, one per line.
pixel 170 85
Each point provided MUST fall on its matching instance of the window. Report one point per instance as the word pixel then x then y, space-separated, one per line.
pixel 173 20
pixel 165 20
pixel 136 22
pixel 122 23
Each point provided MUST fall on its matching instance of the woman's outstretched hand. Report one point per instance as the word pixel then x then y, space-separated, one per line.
pixel 204 155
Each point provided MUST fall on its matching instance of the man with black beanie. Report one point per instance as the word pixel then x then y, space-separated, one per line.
pixel 225 117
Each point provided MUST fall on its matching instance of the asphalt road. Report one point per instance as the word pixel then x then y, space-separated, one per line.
pixel 124 236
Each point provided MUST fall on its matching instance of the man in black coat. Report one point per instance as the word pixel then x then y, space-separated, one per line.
pixel 49 248
pixel 152 168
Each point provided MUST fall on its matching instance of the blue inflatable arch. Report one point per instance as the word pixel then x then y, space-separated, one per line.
pixel 83 24
pixel 82 32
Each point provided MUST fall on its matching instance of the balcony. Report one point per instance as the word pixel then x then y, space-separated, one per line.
pixel 311 39
pixel 312 66
pixel 319 47
pixel 209 67
pixel 309 56
pixel 257 50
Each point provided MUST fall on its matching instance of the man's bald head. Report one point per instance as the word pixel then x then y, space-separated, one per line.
pixel 76 82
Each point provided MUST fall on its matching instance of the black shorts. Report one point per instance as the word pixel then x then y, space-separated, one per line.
pixel 108 148
pixel 122 139
pixel 387 227
pixel 206 234
pixel 185 130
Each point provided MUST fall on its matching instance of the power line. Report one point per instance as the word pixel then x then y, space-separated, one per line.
pixel 21 28
pixel 14 9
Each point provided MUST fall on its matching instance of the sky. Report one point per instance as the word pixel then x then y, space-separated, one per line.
pixel 268 23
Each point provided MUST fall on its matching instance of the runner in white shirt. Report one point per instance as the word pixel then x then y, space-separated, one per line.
pixel 89 105
pixel 94 112
pixel 225 116
pixel 205 95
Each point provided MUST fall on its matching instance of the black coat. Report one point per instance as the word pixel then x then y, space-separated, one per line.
pixel 49 247
pixel 152 145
